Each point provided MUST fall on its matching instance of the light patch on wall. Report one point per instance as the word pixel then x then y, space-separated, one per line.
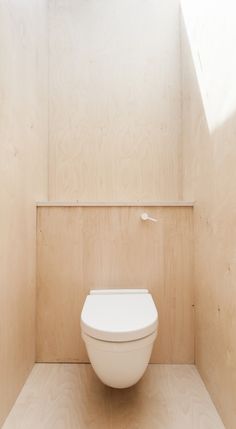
pixel 211 30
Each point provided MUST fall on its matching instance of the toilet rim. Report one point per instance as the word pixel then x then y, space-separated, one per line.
pixel 121 346
pixel 120 337
pixel 119 317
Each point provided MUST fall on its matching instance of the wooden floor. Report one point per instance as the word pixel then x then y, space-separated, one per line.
pixel 69 396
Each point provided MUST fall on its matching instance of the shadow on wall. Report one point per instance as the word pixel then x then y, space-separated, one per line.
pixel 211 31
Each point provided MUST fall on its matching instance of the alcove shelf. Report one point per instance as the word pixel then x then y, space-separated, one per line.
pixel 115 204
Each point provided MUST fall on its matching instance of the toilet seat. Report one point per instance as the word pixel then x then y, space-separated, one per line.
pixel 119 315
pixel 119 346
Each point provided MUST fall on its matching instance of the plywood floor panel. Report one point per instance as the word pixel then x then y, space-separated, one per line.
pixel 69 396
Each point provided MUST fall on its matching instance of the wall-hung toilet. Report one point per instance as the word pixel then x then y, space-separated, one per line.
pixel 119 327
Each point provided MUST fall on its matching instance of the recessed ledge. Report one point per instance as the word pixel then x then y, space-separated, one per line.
pixel 115 204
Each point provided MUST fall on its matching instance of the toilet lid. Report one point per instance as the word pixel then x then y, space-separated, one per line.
pixel 119 316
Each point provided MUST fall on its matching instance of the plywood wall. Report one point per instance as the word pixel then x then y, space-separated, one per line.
pixel 23 139
pixel 83 248
pixel 114 106
pixel 210 179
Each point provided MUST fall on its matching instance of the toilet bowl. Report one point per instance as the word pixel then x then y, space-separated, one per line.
pixel 119 327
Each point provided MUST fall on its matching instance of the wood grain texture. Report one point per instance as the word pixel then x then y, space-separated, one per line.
pixel 23 172
pixel 83 248
pixel 210 178
pixel 70 396
pixel 115 100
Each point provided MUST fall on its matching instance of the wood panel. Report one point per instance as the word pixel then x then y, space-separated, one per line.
pixel 83 248
pixel 70 396
pixel 23 171
pixel 210 178
pixel 115 100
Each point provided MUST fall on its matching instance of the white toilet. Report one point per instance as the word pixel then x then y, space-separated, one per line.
pixel 119 327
